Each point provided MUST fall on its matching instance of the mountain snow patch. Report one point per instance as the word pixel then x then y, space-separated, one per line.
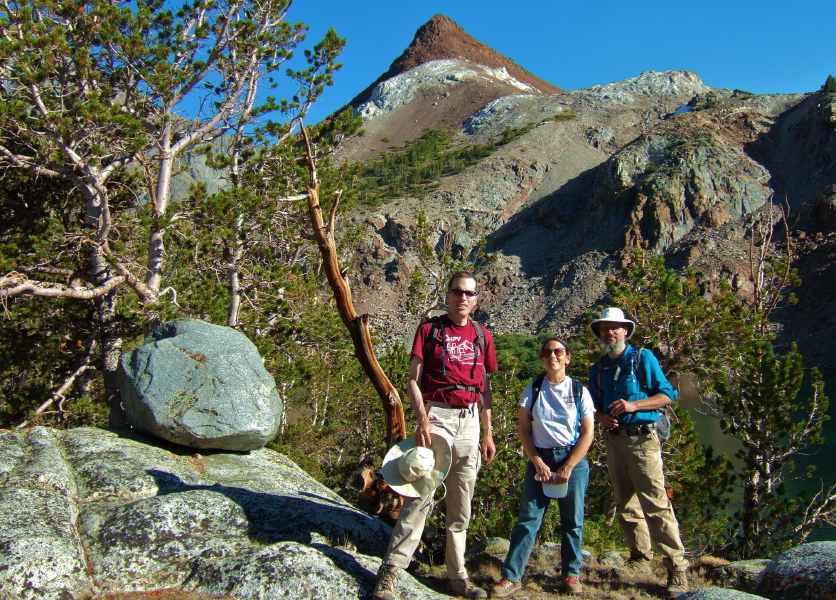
pixel 400 89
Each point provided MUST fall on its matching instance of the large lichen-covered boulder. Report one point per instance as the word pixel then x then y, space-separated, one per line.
pixel 87 512
pixel 200 385
pixel 807 571
pixel 718 594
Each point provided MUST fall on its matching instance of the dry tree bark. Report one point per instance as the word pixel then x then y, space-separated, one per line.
pixel 358 325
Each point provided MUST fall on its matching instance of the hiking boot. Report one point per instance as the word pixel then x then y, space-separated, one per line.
pixel 573 586
pixel 677 584
pixel 465 589
pixel 384 585
pixel 505 588
pixel 637 566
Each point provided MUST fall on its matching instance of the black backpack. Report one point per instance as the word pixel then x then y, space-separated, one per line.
pixel 663 425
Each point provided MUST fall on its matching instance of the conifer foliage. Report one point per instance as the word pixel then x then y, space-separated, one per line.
pixel 107 97
pixel 728 343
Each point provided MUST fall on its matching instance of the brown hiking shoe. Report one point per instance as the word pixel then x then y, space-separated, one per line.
pixel 637 566
pixel 384 585
pixel 573 586
pixel 505 588
pixel 466 589
pixel 677 584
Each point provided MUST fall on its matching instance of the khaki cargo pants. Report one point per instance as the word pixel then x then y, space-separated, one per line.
pixel 644 510
pixel 460 427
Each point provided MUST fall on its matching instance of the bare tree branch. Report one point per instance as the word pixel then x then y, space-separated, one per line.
pixel 357 326
pixel 54 290
pixel 60 393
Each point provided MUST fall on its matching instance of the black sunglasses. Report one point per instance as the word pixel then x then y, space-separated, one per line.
pixel 458 292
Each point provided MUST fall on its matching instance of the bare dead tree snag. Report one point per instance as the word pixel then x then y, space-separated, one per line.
pixel 358 326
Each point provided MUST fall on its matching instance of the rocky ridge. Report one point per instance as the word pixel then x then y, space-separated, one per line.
pixel 660 162
pixel 440 80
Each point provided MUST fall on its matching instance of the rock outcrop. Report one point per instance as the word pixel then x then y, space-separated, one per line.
pixel 807 571
pixel 89 511
pixel 673 180
pixel 718 594
pixel 200 385
pixel 659 162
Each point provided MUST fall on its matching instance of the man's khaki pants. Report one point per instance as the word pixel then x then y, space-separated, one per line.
pixel 644 510
pixel 460 427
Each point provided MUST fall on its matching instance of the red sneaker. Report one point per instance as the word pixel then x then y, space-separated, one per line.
pixel 573 586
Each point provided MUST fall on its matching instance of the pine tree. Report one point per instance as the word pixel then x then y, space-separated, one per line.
pixel 744 383
pixel 86 92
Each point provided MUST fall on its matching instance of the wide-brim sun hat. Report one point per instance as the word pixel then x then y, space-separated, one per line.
pixel 613 315
pixel 425 485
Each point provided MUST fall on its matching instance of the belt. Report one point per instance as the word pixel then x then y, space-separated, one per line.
pixel 434 404
pixel 632 430
pixel 569 447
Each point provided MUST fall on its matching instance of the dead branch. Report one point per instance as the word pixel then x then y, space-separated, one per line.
pixel 54 290
pixel 59 394
pixel 358 326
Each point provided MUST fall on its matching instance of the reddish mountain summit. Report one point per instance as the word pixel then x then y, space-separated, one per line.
pixel 442 38
pixel 446 105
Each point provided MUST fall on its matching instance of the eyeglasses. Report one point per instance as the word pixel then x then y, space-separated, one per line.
pixel 558 352
pixel 458 292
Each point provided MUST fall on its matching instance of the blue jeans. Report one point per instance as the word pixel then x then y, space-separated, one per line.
pixel 533 505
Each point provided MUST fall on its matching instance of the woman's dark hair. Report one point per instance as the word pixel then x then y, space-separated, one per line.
pixel 559 341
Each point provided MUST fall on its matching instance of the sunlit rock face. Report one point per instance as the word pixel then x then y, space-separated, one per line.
pixel 88 511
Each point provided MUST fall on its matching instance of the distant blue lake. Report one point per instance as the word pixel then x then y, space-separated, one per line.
pixel 821 455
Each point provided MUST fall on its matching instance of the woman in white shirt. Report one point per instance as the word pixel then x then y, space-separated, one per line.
pixel 556 431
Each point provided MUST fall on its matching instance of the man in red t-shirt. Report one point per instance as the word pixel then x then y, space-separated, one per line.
pixel 450 394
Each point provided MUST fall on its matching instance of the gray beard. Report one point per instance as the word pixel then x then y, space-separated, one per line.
pixel 616 348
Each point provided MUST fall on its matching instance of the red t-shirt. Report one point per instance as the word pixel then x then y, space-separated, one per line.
pixel 461 354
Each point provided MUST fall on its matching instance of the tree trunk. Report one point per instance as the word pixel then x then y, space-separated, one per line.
pixel 358 326
pixel 236 251
pixel 111 339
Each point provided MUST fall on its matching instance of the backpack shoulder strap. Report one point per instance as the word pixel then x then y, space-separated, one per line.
pixel 536 385
pixel 637 363
pixel 435 330
pixel 577 393
pixel 480 336
pixel 577 389
pixel 433 337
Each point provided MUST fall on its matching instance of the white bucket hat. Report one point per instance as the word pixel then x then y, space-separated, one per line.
pixel 415 471
pixel 614 315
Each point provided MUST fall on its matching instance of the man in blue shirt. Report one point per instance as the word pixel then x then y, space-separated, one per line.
pixel 627 406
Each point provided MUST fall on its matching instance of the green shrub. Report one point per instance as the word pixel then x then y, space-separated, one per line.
pixel 416 168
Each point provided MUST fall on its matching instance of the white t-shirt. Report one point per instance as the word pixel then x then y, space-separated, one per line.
pixel 555 420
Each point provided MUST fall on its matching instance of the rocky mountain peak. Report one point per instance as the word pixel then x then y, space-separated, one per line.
pixel 442 38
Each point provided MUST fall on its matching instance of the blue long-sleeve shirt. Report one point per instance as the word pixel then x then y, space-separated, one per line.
pixel 618 381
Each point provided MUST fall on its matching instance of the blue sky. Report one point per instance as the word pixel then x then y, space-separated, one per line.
pixel 760 46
